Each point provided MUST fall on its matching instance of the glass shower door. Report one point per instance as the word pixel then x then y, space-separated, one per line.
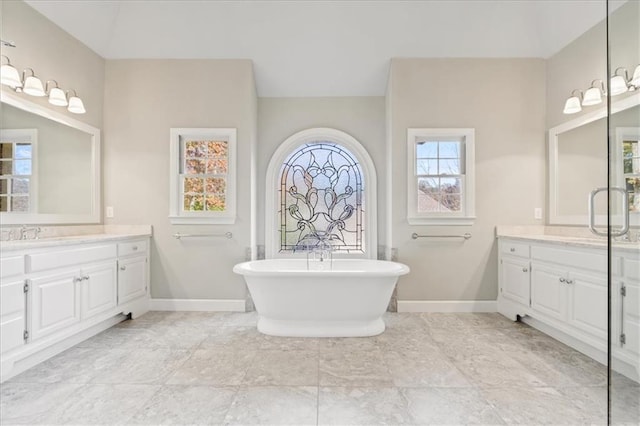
pixel 624 209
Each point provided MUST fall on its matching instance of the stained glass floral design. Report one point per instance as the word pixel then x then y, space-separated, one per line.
pixel 321 199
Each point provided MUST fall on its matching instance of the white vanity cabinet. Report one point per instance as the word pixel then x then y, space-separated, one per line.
pixel 625 342
pixel 564 290
pixel 54 296
pixel 514 272
pixel 132 270
pixel 13 322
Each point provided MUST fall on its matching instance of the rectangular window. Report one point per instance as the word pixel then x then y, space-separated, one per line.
pixel 440 181
pixel 17 160
pixel 203 176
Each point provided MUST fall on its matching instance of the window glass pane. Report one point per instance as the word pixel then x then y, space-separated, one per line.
pixel 215 203
pixel 195 167
pixel 321 198
pixel 4 203
pixel 6 150
pixel 451 202
pixel 6 167
pixel 19 204
pixel 449 150
pixel 216 185
pixel 217 148
pixel 193 185
pixel 23 167
pixel 449 167
pixel 193 203
pixel 23 150
pixel 217 167
pixel 427 167
pixel 429 185
pixel 20 186
pixel 427 203
pixel 427 149
pixel 4 186
pixel 195 149
pixel 450 185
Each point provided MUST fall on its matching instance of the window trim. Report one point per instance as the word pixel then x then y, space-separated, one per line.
pixel 272 201
pixel 465 217
pixel 176 215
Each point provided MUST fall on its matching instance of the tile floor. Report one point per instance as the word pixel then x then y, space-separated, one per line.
pixel 215 368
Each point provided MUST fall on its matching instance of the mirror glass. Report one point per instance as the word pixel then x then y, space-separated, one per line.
pixel 49 166
pixel 578 165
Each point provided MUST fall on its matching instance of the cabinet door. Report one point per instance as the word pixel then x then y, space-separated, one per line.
pixel 588 298
pixel 548 290
pixel 99 290
pixel 631 318
pixel 55 303
pixel 515 279
pixel 132 278
pixel 12 315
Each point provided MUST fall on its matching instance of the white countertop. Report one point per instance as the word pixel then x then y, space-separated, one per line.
pixel 61 236
pixel 568 236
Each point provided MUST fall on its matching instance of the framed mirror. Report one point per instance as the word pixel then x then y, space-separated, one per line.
pixel 49 165
pixel 578 164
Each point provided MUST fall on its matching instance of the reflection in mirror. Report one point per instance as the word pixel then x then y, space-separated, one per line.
pixel 49 166
pixel 578 164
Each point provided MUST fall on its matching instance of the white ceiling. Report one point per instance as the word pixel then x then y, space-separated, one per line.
pixel 323 48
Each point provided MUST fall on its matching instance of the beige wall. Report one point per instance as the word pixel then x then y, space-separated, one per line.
pixel 504 100
pixel 361 117
pixel 54 55
pixel 143 100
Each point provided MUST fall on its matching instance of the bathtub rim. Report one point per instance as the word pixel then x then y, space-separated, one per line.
pixel 396 269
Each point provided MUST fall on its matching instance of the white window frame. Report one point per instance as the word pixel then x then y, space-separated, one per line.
pixel 466 216
pixel 21 136
pixel 177 215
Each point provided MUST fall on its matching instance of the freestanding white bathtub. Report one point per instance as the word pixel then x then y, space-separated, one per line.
pixel 346 301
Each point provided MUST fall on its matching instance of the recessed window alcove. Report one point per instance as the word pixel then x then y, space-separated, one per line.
pixel 321 185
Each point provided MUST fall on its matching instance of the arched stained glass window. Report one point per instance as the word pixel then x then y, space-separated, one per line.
pixel 321 197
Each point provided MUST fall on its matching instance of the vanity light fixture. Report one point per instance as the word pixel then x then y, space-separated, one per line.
pixel 574 103
pixel 594 94
pixel 9 75
pixel 32 84
pixel 75 104
pixel 619 82
pixel 56 94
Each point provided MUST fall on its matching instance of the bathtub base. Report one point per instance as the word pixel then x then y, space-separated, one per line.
pixel 287 328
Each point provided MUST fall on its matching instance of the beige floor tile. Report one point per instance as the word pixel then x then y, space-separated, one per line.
pixel 283 368
pixel 362 406
pixel 357 368
pixel 213 367
pixel 186 405
pixel 419 369
pixel 281 405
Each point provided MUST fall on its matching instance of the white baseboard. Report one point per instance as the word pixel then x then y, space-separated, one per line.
pixel 447 306
pixel 204 305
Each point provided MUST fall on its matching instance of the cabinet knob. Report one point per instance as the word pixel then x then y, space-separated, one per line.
pixel 525 270
pixel 134 248
pixel 77 279
pixel 569 281
pixel 86 277
pixel 123 268
pixel 562 279
pixel 512 249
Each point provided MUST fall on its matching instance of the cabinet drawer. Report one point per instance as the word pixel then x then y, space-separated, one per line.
pixel 514 249
pixel 11 266
pixel 61 258
pixel 582 259
pixel 133 247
